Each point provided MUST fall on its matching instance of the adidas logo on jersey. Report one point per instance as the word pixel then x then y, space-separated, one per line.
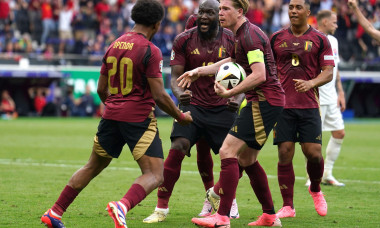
pixel 283 45
pixel 195 52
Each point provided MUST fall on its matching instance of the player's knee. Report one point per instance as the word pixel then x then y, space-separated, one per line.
pixel 158 179
pixel 339 134
pixel 181 144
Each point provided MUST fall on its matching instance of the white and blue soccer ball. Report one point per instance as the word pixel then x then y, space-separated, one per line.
pixel 230 75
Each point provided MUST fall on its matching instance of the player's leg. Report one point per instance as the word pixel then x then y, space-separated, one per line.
pixel 151 178
pixel 205 163
pixel 332 153
pixel 77 183
pixel 334 123
pixel 205 168
pixel 259 183
pixel 285 136
pixel 172 170
pixel 99 159
pixel 228 180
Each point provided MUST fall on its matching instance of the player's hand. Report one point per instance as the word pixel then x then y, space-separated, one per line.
pixel 302 86
pixel 232 104
pixel 185 98
pixel 341 102
pixel 352 4
pixel 186 119
pixel 221 91
pixel 187 78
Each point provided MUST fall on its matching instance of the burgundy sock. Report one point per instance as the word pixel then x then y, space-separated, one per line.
pixel 205 163
pixel 259 183
pixel 64 200
pixel 229 178
pixel 286 181
pixel 315 171
pixel 217 185
pixel 172 171
pixel 135 195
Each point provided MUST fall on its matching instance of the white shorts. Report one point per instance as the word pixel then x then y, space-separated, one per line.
pixel 332 119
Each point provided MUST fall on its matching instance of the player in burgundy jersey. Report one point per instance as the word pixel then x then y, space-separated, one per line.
pixel 213 116
pixel 130 85
pixel 250 130
pixel 304 62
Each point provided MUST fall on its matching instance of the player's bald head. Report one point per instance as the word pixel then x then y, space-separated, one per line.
pixel 214 4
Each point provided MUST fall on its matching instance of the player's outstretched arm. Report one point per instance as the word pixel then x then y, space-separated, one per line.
pixel 188 77
pixel 166 104
pixel 183 95
pixel 367 26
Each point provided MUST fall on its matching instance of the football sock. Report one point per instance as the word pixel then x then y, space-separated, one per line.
pixel 332 153
pixel 259 182
pixel 135 195
pixel 205 163
pixel 229 178
pixel 172 171
pixel 217 185
pixel 65 199
pixel 315 171
pixel 217 188
pixel 286 179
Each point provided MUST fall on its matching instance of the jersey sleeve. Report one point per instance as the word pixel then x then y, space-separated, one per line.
pixel 178 56
pixel 155 63
pixel 326 58
pixel 254 48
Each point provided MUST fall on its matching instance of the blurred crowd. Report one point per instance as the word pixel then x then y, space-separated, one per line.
pixel 83 29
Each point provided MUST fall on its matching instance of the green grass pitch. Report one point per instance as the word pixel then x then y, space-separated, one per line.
pixel 39 155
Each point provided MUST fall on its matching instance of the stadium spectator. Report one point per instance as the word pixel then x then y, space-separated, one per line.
pixel 127 121
pixel 7 106
pixel 38 95
pixel 64 26
pixel 310 66
pixel 265 99
pixel 48 25
pixel 22 18
pixel 212 115
pixel 86 104
pixel 4 13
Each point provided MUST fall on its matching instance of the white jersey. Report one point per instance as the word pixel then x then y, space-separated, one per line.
pixel 327 92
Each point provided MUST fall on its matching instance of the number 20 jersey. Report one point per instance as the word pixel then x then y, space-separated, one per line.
pixel 128 62
pixel 300 58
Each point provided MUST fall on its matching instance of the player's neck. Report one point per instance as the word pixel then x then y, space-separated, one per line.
pixel 143 30
pixel 299 30
pixel 238 25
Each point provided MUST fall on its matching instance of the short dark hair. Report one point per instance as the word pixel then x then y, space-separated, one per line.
pixel 322 14
pixel 147 12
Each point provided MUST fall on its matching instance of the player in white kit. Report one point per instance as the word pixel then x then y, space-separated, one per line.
pixel 332 101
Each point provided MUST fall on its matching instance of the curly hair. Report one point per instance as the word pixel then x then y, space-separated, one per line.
pixel 147 12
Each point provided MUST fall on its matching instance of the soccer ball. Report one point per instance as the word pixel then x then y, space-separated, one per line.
pixel 230 75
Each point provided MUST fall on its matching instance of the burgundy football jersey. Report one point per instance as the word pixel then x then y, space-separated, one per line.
pixel 300 58
pixel 191 51
pixel 128 62
pixel 191 22
pixel 252 46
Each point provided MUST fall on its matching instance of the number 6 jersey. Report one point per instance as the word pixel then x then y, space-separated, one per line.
pixel 128 62
pixel 300 58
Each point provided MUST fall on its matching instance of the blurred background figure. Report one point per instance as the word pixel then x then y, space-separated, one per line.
pixel 7 106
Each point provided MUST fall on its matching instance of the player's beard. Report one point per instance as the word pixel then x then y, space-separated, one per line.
pixel 210 32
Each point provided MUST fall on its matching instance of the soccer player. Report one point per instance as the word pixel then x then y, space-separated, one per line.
pixel 367 26
pixel 250 130
pixel 332 103
pixel 304 62
pixel 213 116
pixel 130 84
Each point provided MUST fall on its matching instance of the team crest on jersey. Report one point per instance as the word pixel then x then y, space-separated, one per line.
pixel 308 45
pixel 172 55
pixel 161 65
pixel 222 52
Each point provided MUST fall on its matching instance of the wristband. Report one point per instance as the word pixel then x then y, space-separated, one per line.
pixel 181 117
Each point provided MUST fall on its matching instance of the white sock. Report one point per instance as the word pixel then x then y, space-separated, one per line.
pixel 332 153
pixel 55 214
